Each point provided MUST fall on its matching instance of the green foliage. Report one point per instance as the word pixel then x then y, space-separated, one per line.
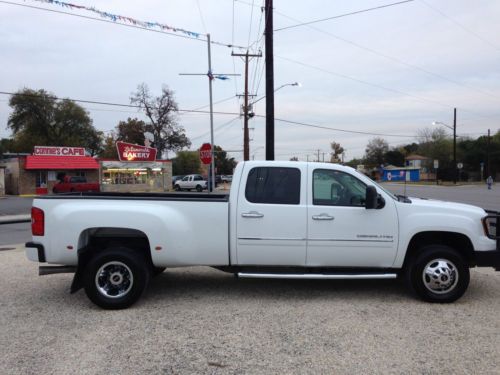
pixel 6 145
pixel 131 131
pixel 375 151
pixel 186 162
pixel 394 157
pixel 161 112
pixel 108 150
pixel 223 164
pixel 39 119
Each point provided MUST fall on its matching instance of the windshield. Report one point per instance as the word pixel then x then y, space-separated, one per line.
pixel 377 185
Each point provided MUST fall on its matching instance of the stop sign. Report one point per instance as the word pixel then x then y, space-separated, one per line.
pixel 206 153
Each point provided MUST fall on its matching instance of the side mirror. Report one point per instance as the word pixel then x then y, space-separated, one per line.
pixel 371 200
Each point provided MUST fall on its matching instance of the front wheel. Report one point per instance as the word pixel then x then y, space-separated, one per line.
pixel 199 189
pixel 438 274
pixel 116 278
pixel 177 188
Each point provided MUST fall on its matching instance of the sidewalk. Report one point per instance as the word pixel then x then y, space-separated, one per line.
pixel 11 219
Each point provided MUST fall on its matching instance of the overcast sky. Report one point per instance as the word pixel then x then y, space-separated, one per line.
pixel 390 71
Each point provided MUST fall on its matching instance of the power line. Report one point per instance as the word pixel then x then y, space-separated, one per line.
pixel 344 15
pixel 121 24
pixel 115 104
pixel 250 26
pixel 377 86
pixel 461 26
pixel 201 17
pixel 391 58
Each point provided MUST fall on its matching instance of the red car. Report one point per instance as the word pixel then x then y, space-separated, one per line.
pixel 75 183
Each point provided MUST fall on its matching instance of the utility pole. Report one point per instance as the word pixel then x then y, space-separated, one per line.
pixel 246 138
pixel 210 75
pixel 323 157
pixel 318 155
pixel 455 146
pixel 488 155
pixel 269 81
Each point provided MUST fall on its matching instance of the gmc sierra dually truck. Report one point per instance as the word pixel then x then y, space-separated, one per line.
pixel 281 220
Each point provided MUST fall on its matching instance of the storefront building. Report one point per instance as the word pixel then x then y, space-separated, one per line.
pixel 2 181
pixel 38 173
pixel 136 170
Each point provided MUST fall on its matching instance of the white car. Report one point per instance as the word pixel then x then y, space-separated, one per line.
pixel 190 182
pixel 281 220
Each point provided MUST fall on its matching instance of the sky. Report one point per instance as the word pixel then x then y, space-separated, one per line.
pixel 391 71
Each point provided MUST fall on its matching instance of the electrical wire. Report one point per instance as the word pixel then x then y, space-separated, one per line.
pixel 250 26
pixel 201 17
pixel 461 26
pixel 344 15
pixel 378 86
pixel 122 24
pixel 391 58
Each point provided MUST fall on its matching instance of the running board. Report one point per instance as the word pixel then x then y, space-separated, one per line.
pixel 315 276
pixel 51 270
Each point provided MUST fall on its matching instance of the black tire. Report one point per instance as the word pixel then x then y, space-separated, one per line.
pixel 177 188
pixel 158 271
pixel 131 273
pixel 447 276
pixel 199 189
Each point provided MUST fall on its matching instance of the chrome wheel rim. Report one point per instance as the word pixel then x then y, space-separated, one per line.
pixel 114 279
pixel 440 276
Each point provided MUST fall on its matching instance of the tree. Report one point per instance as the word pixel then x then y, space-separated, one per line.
pixel 131 131
pixel 375 151
pixel 337 151
pixel 108 150
pixel 5 145
pixel 38 118
pixel 394 157
pixel 161 112
pixel 223 164
pixel 186 162
pixel 294 158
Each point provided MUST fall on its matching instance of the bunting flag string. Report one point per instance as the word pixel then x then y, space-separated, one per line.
pixel 118 18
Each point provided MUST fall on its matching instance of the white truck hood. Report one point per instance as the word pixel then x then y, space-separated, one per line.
pixel 447 206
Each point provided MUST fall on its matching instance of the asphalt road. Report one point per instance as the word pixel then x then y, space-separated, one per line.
pixel 202 321
pixel 15 233
pixel 11 205
pixel 477 195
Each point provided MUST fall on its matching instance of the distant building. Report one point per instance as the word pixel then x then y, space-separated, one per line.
pixel 2 181
pixel 424 164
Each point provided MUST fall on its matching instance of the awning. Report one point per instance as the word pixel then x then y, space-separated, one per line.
pixel 60 162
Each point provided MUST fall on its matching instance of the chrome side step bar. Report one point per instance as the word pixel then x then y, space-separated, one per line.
pixel 51 270
pixel 316 276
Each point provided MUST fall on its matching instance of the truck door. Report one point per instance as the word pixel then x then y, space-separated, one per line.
pixel 271 216
pixel 341 231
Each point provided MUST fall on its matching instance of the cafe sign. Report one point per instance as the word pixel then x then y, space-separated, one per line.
pixel 131 152
pixel 58 151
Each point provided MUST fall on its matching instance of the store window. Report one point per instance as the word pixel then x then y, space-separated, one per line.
pixel 41 179
pixel 145 176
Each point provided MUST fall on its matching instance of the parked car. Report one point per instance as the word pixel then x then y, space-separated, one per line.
pixel 226 178
pixel 281 220
pixel 74 184
pixel 190 182
pixel 175 179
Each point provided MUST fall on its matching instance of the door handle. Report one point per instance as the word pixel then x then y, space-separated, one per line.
pixel 252 214
pixel 323 217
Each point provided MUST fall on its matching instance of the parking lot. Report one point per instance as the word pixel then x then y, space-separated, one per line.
pixel 199 320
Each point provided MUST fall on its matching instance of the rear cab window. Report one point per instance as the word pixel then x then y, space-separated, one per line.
pixel 273 185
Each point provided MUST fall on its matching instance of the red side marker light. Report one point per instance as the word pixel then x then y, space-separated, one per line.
pixel 158 248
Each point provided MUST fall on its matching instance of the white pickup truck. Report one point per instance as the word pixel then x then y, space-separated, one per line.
pixel 281 220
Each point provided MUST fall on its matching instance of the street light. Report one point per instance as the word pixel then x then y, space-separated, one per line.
pixel 286 84
pixel 454 128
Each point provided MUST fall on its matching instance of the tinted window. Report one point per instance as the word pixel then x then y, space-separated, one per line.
pixel 335 188
pixel 273 185
pixel 198 178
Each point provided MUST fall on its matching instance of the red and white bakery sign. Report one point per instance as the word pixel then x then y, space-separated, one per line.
pixel 131 152
pixel 58 151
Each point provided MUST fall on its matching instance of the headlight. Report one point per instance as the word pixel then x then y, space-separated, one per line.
pixel 490 226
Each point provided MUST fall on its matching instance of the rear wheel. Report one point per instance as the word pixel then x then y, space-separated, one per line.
pixel 438 274
pixel 116 278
